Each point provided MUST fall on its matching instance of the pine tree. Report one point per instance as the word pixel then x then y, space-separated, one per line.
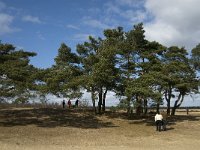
pixel 62 78
pixel 16 74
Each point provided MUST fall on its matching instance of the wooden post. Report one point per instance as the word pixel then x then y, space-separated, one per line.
pixel 187 109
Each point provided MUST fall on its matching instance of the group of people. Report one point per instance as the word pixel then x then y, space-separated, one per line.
pixel 70 104
pixel 161 121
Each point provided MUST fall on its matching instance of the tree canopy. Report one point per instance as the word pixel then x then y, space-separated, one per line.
pixel 124 62
pixel 16 74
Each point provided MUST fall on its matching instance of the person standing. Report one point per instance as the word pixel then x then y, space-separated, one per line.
pixel 63 103
pixel 158 121
pixel 69 103
pixel 76 103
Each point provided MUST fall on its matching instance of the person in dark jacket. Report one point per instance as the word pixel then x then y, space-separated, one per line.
pixel 63 103
pixel 69 103
pixel 76 103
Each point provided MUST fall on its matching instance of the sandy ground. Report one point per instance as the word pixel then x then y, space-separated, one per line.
pixel 77 129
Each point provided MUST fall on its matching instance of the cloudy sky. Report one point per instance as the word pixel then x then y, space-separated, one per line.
pixel 41 25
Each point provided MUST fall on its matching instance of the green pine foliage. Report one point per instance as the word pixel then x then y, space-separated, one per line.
pixel 16 74
pixel 196 57
pixel 124 62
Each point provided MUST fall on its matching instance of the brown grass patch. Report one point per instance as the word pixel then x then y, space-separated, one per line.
pixel 55 128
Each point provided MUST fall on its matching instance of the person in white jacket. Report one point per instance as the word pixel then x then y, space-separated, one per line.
pixel 158 120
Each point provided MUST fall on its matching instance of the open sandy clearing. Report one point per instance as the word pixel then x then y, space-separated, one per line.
pixel 57 129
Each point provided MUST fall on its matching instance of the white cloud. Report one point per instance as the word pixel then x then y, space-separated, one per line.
pixel 32 19
pixel 81 37
pixel 95 23
pixel 162 32
pixel 5 22
pixel 72 27
pixel 40 36
pixel 19 47
pixel 134 16
pixel 166 21
pixel 175 22
pixel 112 8
pixel 130 10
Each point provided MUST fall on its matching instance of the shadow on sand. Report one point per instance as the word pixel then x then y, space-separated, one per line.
pixel 52 117
pixel 79 118
pixel 148 119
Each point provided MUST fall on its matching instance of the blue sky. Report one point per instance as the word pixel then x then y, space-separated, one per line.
pixel 42 25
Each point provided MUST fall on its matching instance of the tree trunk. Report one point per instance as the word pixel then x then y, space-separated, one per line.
pixel 94 107
pixel 174 108
pixel 128 78
pixel 158 107
pixel 139 105
pixel 145 106
pixel 93 101
pixel 168 95
pixel 168 107
pixel 128 106
pixel 100 100
pixel 177 103
pixel 104 101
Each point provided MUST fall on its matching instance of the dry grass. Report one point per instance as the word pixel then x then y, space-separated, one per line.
pixel 79 129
